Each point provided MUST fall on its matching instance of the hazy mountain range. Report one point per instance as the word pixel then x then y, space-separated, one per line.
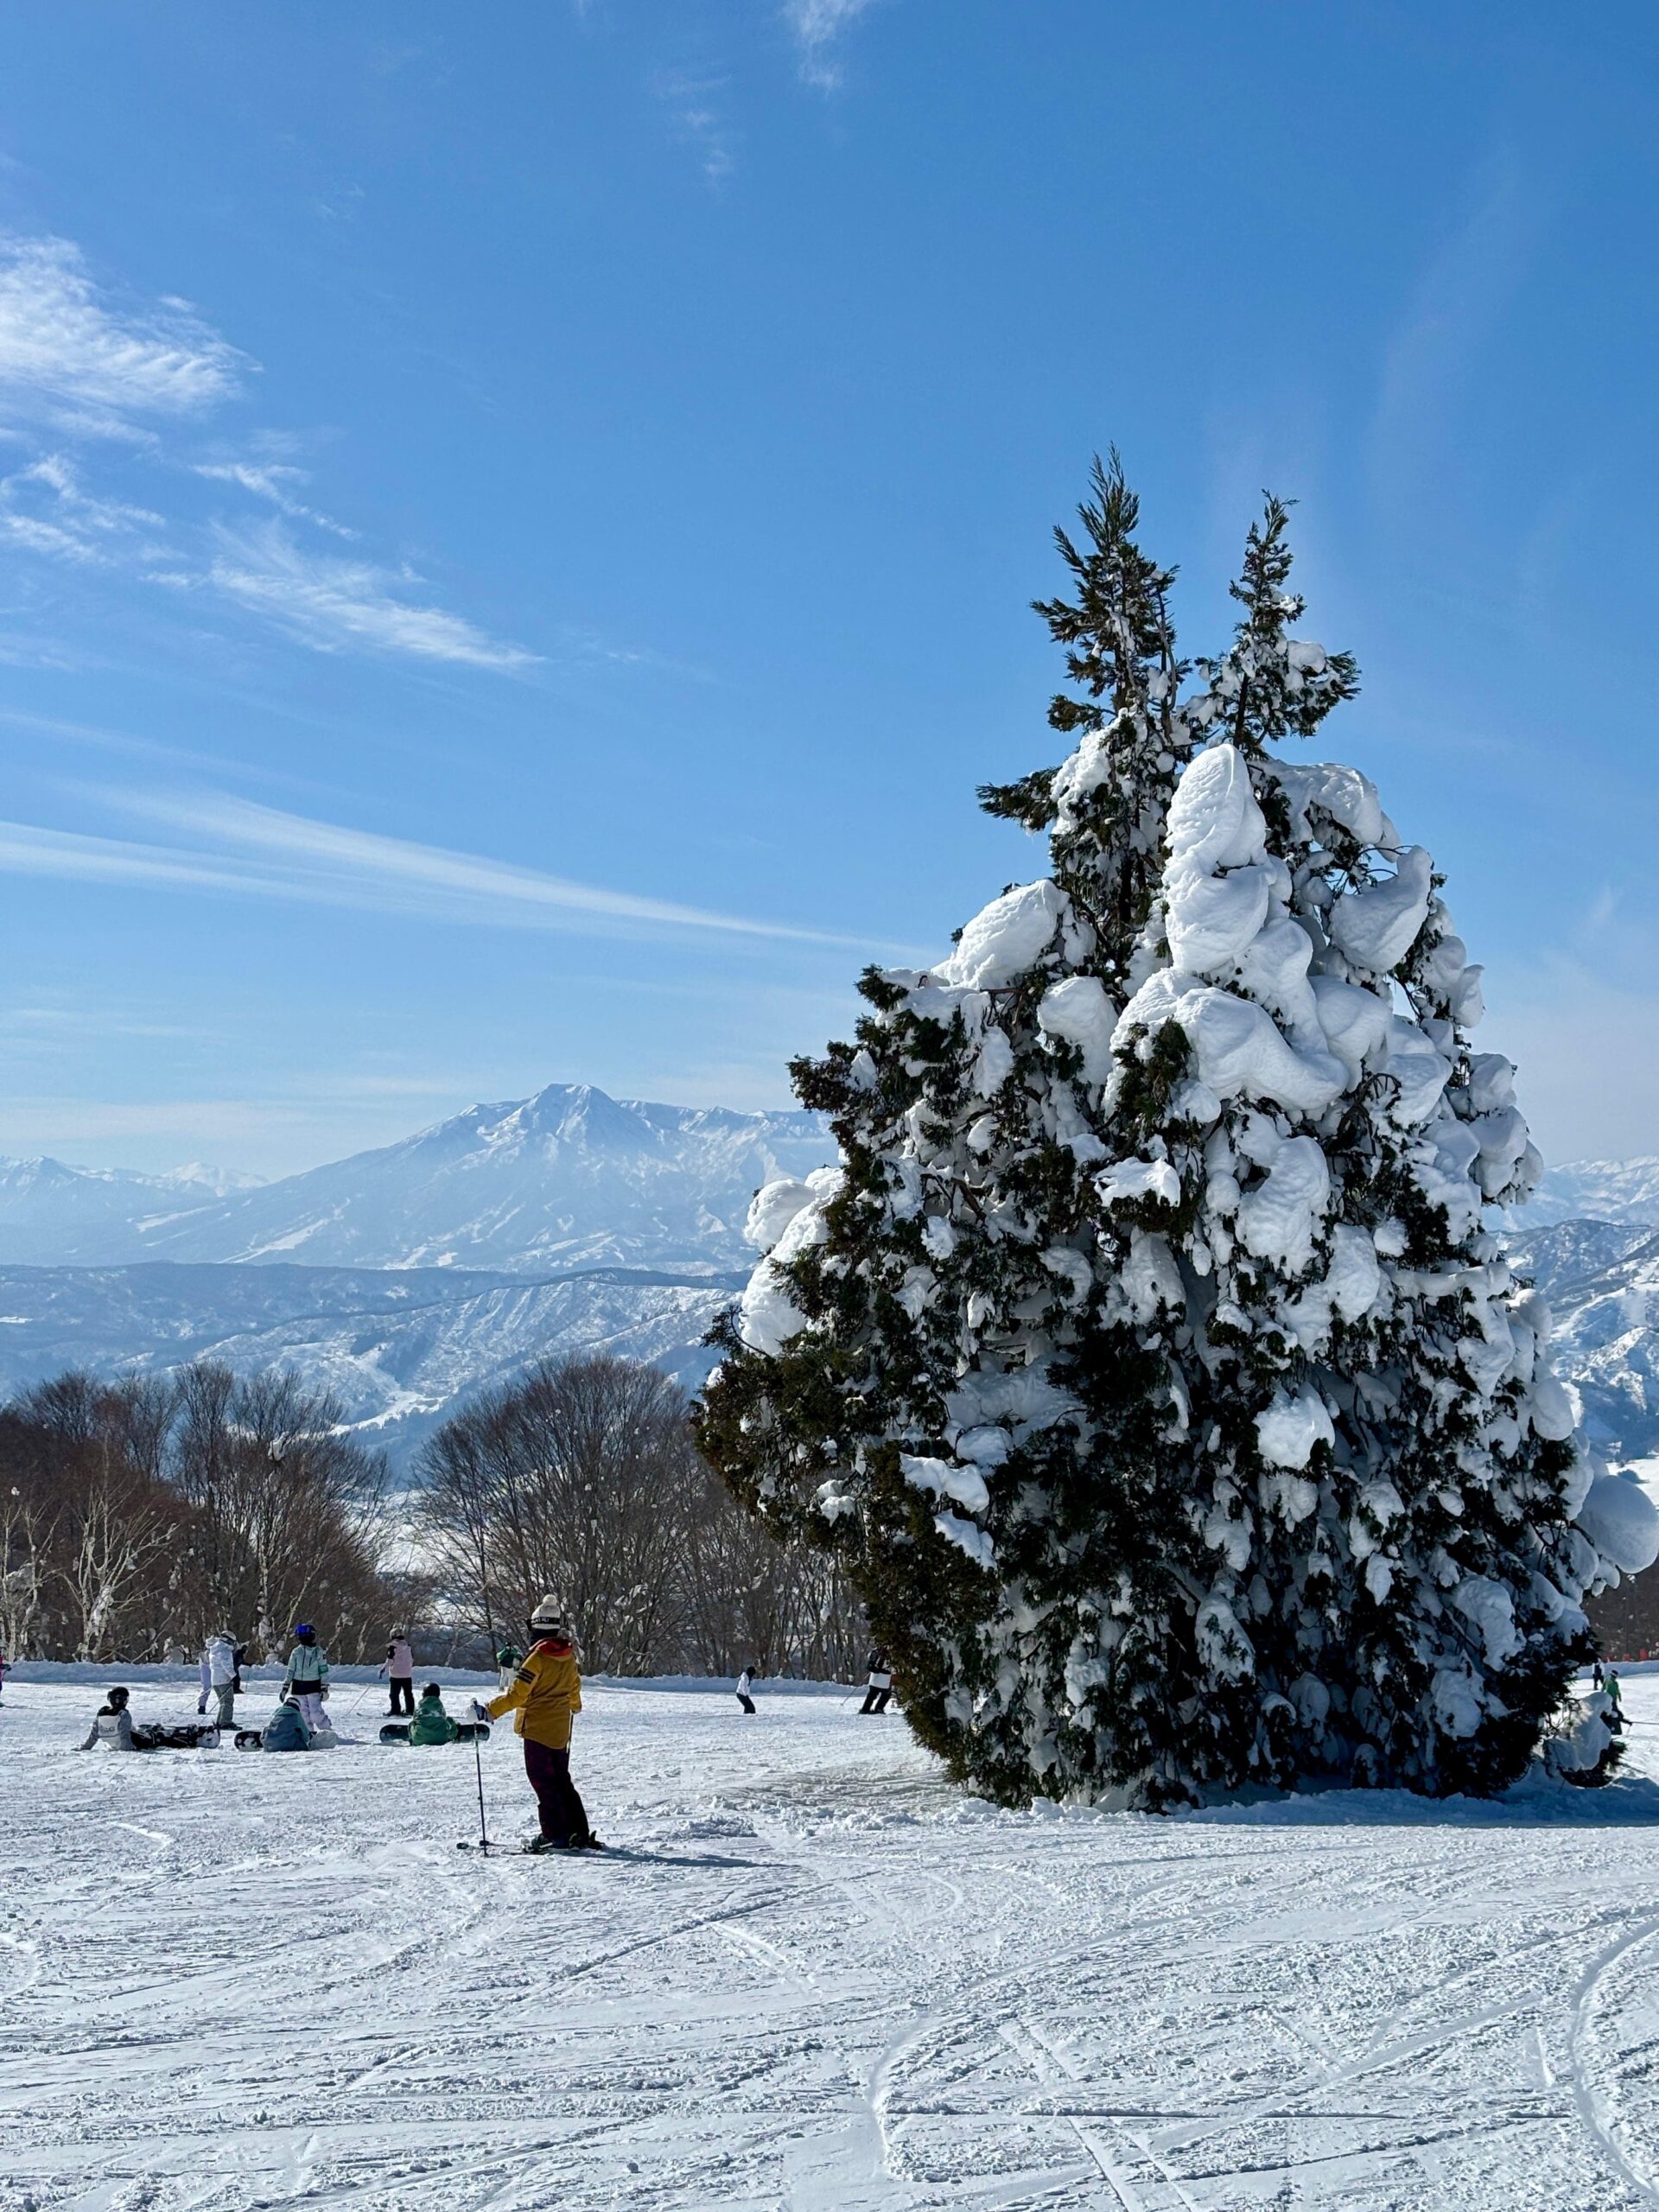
pixel 568 1179
pixel 404 1278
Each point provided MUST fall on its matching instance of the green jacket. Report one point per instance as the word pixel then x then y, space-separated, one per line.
pixel 308 1668
pixel 431 1724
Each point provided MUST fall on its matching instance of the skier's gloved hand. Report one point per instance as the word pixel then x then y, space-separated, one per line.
pixel 480 1713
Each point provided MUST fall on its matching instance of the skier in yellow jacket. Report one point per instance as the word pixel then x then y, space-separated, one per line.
pixel 544 1696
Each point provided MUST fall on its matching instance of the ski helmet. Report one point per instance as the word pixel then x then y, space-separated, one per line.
pixel 117 1698
pixel 304 1631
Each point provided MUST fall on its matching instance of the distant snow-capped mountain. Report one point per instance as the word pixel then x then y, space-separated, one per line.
pixel 570 1178
pixel 405 1277
pixel 1593 1190
pixel 399 1349
pixel 1601 1279
pixel 50 1212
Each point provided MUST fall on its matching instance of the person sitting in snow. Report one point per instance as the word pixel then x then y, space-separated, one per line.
pixel 112 1729
pixel 431 1724
pixel 288 1729
pixel 544 1697
pixel 307 1678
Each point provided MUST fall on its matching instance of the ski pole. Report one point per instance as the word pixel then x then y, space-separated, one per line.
pixel 478 1760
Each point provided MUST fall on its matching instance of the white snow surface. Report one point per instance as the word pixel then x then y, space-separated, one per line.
pixel 811 1976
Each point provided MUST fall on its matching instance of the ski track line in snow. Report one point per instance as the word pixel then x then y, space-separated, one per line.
pixel 1592 2085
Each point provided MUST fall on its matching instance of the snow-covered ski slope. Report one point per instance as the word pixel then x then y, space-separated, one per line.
pixel 811 1977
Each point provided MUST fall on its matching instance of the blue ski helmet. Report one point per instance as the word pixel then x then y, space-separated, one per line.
pixel 304 1631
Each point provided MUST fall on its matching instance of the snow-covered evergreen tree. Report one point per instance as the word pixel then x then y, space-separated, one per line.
pixel 1147 1357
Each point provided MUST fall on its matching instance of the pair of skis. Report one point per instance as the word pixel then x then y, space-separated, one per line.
pixel 485 1847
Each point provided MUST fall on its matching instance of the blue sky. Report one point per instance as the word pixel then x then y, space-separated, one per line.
pixel 515 525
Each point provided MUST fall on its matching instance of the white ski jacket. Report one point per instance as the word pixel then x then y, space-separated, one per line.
pixel 110 1731
pixel 218 1663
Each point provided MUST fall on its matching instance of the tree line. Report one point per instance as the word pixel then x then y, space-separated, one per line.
pixel 138 1515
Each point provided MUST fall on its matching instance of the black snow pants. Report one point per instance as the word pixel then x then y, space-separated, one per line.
pixel 563 1815
pixel 403 1694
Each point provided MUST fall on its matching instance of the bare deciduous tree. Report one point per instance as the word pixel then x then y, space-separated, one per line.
pixel 582 1480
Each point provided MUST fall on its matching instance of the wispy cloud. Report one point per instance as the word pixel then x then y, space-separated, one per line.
pixel 693 102
pixel 243 848
pixel 45 508
pixel 818 24
pixel 69 347
pixel 81 363
pixel 334 605
pixel 271 480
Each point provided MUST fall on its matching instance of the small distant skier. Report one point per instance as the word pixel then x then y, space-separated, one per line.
pixel 544 1696
pixel 241 1658
pixel 306 1679
pixel 879 1681
pixel 1597 1678
pixel 400 1669
pixel 746 1686
pixel 219 1678
pixel 1611 1691
pixel 508 1660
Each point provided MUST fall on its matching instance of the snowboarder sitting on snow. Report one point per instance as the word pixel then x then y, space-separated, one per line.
pixel 432 1724
pixel 113 1728
pixel 544 1695
pixel 880 1686
pixel 306 1679
pixel 287 1730
pixel 400 1666
pixel 219 1678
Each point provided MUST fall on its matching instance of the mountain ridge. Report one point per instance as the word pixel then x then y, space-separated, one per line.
pixel 567 1177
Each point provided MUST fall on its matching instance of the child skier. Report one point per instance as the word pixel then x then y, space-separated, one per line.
pixel 508 1660
pixel 219 1678
pixel 400 1669
pixel 745 1686
pixel 544 1695
pixel 878 1682
pixel 306 1679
